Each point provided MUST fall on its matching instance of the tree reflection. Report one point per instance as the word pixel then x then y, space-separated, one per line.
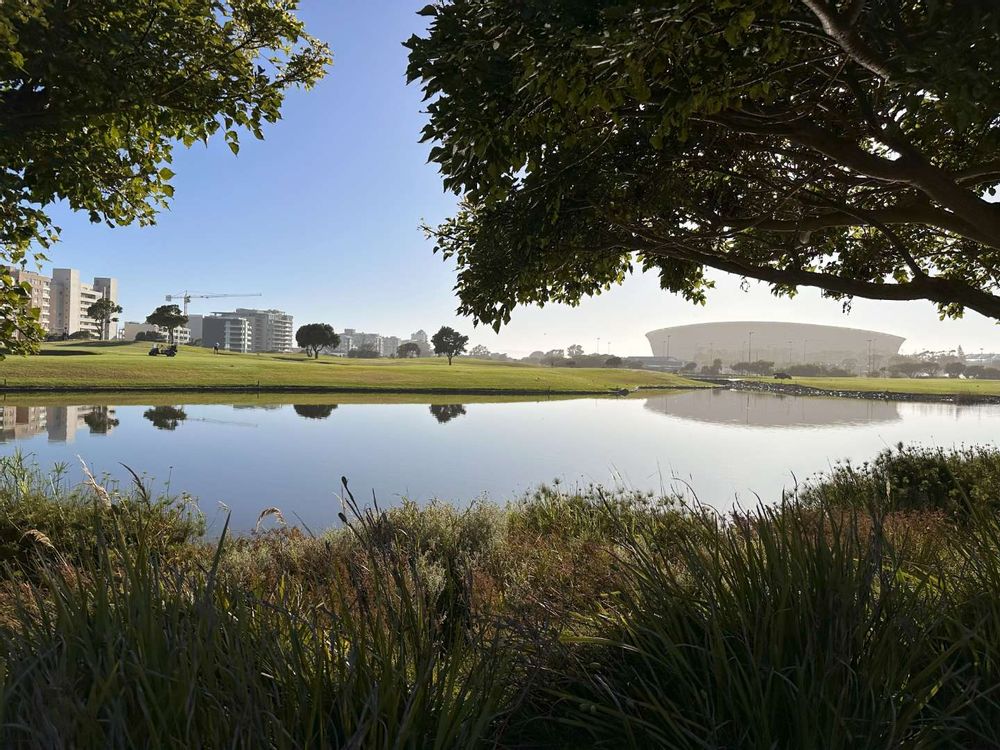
pixel 447 412
pixel 100 420
pixel 314 411
pixel 165 417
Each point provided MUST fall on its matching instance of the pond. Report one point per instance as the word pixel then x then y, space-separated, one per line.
pixel 725 446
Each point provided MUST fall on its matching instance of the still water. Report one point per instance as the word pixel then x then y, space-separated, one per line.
pixel 727 447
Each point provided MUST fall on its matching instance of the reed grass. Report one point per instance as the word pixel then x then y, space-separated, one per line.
pixel 863 611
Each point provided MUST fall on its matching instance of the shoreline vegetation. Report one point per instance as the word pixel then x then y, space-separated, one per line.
pixel 861 612
pixel 90 368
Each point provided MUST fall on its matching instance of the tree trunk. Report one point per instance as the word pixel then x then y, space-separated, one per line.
pixel 449 360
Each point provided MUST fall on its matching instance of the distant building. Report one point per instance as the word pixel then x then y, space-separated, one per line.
pixel 273 330
pixel 227 331
pixel 389 346
pixel 782 343
pixel 132 329
pixel 270 330
pixel 69 299
pixel 194 325
pixel 63 299
pixel 40 292
pixel 420 339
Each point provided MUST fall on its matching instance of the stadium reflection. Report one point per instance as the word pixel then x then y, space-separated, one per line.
pixel 771 410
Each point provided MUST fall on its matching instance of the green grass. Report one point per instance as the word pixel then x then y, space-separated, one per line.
pixel 89 366
pixel 863 612
pixel 924 386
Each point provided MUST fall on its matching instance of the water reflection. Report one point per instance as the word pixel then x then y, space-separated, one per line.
pixel 447 412
pixel 60 423
pixel 772 410
pixel 101 420
pixel 314 411
pixel 165 417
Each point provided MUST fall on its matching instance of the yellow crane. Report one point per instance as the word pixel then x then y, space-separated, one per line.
pixel 188 296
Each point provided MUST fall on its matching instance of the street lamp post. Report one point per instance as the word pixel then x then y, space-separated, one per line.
pixel 750 347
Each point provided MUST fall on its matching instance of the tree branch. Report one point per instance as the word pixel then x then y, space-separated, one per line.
pixel 842 32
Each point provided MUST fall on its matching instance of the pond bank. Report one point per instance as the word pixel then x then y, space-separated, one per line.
pixel 797 389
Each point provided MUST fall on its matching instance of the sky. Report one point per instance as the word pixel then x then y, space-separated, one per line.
pixel 323 219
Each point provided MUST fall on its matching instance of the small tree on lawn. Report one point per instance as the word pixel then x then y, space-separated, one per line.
pixel 575 350
pixel 168 317
pixel 954 369
pixel 449 342
pixel 480 352
pixel 104 311
pixel 315 337
pixel 408 349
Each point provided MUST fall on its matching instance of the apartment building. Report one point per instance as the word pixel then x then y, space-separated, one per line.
pixel 69 299
pixel 227 331
pixel 63 299
pixel 40 292
pixel 273 330
pixel 182 334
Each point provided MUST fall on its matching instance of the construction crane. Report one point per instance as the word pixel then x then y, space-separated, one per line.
pixel 188 296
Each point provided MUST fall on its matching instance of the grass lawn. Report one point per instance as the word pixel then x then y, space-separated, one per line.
pixel 931 386
pixel 111 365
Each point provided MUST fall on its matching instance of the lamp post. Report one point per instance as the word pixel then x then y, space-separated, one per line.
pixel 668 346
pixel 750 346
pixel 869 363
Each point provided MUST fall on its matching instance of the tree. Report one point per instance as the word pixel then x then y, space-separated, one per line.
pixel 408 349
pixel 82 335
pixel 168 317
pixel 104 311
pixel 480 351
pixel 94 96
pixel 364 352
pixel 954 369
pixel 314 411
pixel 575 350
pixel 449 342
pixel 150 336
pixel 613 362
pixel 689 367
pixel 447 412
pixel 553 357
pixel 316 337
pixel 794 143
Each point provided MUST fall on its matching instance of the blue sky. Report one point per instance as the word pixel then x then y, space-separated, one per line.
pixel 323 217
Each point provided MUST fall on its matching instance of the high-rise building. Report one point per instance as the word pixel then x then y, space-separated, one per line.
pixel 69 299
pixel 40 291
pixel 272 330
pixel 227 331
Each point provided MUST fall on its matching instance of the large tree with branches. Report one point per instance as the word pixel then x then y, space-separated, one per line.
pixel 850 146
pixel 94 96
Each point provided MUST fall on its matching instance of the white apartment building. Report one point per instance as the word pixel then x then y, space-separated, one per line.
pixel 63 299
pixel 69 299
pixel 272 329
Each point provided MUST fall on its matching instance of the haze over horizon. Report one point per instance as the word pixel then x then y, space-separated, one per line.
pixel 323 217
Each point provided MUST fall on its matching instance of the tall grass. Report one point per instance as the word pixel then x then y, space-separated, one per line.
pixel 863 612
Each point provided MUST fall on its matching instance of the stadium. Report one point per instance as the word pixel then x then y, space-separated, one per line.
pixel 781 343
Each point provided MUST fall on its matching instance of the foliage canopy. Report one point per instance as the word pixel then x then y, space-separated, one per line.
pixel 846 146
pixel 315 337
pixel 449 342
pixel 95 95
